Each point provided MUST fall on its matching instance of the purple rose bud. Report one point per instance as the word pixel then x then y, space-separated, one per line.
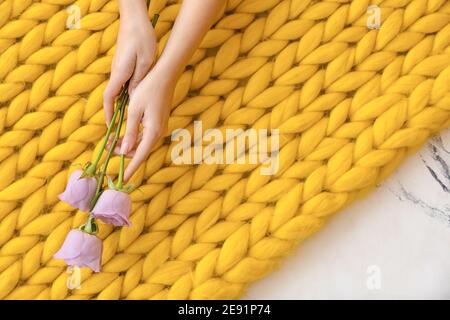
pixel 81 249
pixel 113 207
pixel 79 192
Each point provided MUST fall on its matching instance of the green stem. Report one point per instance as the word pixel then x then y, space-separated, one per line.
pixel 121 172
pixel 101 179
pixel 155 20
pixel 93 166
pixel 90 226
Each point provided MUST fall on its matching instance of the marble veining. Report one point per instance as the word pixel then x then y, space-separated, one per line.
pixel 435 158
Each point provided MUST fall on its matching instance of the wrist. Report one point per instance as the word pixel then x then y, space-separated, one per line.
pixel 170 66
pixel 167 72
pixel 133 9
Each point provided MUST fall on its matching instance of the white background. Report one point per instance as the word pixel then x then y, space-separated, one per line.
pixel 398 236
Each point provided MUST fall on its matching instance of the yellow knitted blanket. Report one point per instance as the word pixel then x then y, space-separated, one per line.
pixel 350 100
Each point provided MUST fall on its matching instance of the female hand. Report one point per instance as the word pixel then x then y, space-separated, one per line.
pixel 135 51
pixel 150 102
pixel 150 106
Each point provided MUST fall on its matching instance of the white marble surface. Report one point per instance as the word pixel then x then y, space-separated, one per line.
pixel 394 244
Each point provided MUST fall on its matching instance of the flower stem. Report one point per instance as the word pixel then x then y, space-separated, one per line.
pixel 90 226
pixel 121 172
pixel 122 103
pixel 155 20
pixel 92 168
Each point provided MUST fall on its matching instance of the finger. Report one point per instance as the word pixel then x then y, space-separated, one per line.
pixel 149 138
pixel 142 68
pixel 116 147
pixel 131 133
pixel 119 77
pixel 131 152
pixel 117 152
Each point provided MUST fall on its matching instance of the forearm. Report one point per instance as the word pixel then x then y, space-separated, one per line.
pixel 193 22
pixel 130 9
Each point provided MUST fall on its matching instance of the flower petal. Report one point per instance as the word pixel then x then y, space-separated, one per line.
pixel 72 246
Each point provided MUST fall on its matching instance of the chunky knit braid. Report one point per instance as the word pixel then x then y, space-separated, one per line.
pixel 350 103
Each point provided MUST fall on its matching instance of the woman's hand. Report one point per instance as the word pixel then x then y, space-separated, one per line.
pixel 135 51
pixel 150 102
pixel 150 106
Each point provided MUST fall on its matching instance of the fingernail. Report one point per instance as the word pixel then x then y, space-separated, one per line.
pixel 124 148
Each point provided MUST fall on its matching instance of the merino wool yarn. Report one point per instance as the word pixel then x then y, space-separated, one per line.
pixel 350 103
